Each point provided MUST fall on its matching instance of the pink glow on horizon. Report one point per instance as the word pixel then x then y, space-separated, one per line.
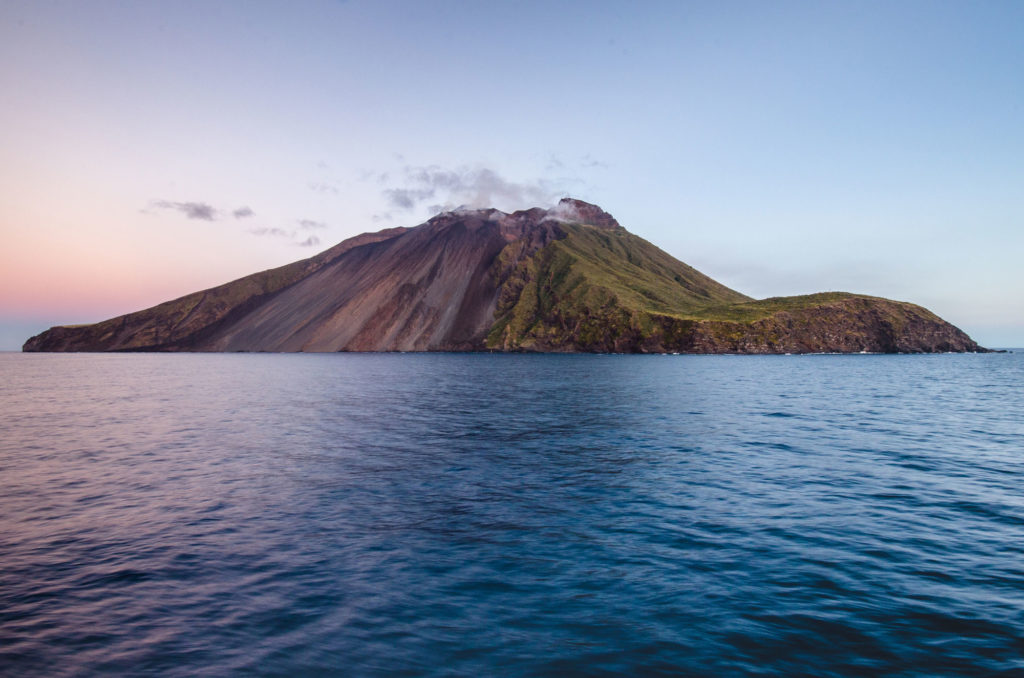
pixel 83 280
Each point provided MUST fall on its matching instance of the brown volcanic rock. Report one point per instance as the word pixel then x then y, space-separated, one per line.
pixel 576 211
pixel 565 279
pixel 850 325
pixel 181 323
pixel 423 289
pixel 431 289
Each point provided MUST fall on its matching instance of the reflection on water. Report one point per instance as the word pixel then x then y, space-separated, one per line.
pixel 515 515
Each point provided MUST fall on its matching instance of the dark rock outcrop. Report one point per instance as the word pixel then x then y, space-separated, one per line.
pixel 565 279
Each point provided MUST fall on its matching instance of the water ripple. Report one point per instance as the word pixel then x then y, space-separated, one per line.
pixel 448 515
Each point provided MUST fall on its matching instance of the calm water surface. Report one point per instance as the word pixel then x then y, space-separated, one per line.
pixel 475 515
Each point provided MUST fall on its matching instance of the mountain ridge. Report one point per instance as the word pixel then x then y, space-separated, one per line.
pixel 566 279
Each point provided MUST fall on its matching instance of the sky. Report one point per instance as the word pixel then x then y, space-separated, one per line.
pixel 153 149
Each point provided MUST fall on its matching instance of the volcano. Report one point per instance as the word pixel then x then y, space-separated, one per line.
pixel 565 279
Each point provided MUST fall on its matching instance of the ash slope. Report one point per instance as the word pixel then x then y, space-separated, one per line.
pixel 566 279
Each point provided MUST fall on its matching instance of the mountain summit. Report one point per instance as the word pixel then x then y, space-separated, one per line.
pixel 569 278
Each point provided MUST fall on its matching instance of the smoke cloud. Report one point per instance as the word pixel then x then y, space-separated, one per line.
pixel 478 187
pixel 407 198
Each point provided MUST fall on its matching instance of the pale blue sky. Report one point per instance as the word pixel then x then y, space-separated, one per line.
pixel 782 148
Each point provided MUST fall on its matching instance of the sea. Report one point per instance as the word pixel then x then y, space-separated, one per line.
pixel 511 515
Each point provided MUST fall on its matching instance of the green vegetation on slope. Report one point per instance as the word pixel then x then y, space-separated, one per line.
pixel 750 311
pixel 607 290
pixel 638 274
pixel 593 285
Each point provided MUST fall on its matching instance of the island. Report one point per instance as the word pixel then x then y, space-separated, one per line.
pixel 565 279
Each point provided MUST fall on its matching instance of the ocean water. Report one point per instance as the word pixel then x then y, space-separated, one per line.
pixel 514 515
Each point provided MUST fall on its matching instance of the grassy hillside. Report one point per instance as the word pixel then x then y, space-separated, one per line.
pixel 607 290
pixel 750 311
pixel 593 282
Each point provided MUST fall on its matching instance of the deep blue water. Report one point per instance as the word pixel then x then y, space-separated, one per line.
pixel 521 515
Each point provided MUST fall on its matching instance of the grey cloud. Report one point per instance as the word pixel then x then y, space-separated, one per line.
pixel 407 198
pixel 586 162
pixel 206 212
pixel 375 176
pixel 276 232
pixel 471 187
pixel 322 187
pixel 437 177
pixel 554 163
pixel 192 210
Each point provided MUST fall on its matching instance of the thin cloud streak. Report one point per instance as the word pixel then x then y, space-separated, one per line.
pixel 191 210
pixel 322 187
pixel 275 232
pixel 292 234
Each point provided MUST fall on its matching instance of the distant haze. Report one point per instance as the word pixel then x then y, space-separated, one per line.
pixel 152 149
